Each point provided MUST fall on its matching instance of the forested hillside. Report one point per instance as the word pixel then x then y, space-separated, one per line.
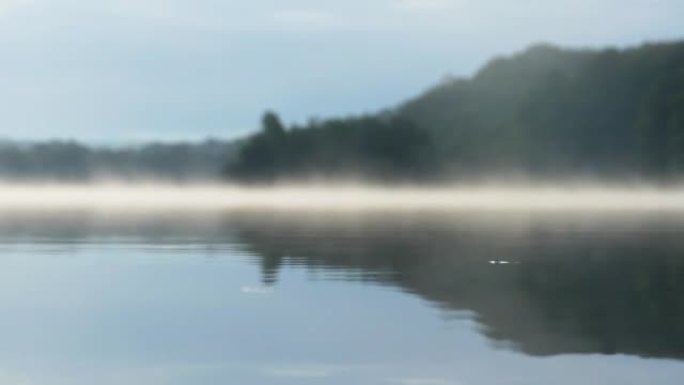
pixel 544 113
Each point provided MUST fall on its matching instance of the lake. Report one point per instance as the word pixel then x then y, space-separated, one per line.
pixel 365 297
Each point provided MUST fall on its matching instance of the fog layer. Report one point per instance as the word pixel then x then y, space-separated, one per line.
pixel 339 197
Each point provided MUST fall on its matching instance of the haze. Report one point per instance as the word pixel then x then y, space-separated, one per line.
pixel 134 70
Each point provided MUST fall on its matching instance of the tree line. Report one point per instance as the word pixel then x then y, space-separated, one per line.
pixel 376 147
pixel 543 113
pixel 73 161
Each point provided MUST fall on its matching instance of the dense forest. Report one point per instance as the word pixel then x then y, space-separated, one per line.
pixel 544 113
pixel 72 161
pixel 373 147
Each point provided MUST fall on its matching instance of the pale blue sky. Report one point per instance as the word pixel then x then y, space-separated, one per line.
pixel 132 70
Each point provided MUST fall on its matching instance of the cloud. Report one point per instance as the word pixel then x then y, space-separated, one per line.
pixel 304 18
pixel 6 5
pixel 419 381
pixel 312 372
pixel 426 5
pixel 14 378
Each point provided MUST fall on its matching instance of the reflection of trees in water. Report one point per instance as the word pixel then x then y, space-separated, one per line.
pixel 270 267
pixel 624 297
pixel 572 286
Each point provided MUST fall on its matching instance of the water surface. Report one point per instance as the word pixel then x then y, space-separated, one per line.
pixel 238 297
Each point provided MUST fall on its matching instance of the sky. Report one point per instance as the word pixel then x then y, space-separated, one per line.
pixel 126 71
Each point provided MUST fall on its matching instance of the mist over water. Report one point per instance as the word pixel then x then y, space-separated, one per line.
pixel 518 222
pixel 340 197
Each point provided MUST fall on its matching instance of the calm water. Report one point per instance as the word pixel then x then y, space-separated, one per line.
pixel 376 298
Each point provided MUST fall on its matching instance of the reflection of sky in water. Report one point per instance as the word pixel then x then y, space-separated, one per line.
pixel 125 316
pixel 159 301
